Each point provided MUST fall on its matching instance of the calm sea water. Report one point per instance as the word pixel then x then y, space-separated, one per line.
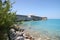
pixel 51 26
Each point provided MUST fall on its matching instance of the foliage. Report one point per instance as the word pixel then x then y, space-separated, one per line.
pixel 7 18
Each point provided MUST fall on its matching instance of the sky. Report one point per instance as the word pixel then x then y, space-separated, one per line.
pixel 43 8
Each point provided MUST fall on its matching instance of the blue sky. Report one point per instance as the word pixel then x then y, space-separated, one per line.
pixel 48 8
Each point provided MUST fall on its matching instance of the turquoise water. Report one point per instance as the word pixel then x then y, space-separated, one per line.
pixel 52 26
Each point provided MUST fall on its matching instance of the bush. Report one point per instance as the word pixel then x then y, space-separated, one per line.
pixel 7 18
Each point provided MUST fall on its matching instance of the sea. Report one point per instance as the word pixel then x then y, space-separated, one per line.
pixel 49 27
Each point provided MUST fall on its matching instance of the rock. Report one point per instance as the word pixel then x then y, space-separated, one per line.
pixel 26 39
pixel 18 33
pixel 12 30
pixel 20 38
pixel 26 35
pixel 12 34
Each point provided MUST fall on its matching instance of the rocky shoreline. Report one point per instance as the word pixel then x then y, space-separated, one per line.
pixel 22 34
pixel 18 33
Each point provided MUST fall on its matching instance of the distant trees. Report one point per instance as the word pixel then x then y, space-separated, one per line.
pixel 7 18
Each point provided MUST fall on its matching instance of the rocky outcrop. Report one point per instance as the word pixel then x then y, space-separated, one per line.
pixel 19 35
pixel 22 34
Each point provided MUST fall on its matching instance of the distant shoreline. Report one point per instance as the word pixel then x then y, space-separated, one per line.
pixel 29 18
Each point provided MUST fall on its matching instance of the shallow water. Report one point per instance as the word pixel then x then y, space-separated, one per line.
pixel 50 27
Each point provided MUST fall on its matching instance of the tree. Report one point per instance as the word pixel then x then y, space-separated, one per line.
pixel 7 18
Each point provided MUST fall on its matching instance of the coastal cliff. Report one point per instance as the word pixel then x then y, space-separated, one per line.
pixel 29 18
pixel 44 18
